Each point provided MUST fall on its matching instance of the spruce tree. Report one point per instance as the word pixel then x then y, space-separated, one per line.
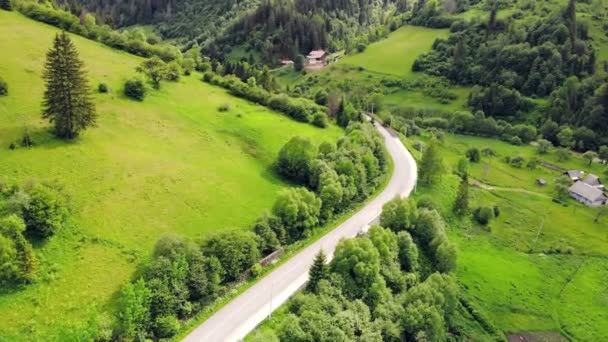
pixel 318 272
pixel 67 102
pixel 6 5
pixel 461 204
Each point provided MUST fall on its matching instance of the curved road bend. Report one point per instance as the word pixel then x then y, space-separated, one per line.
pixel 243 314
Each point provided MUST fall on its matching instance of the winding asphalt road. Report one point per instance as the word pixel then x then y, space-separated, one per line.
pixel 243 314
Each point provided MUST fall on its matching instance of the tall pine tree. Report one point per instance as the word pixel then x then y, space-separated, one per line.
pixel 67 101
pixel 318 272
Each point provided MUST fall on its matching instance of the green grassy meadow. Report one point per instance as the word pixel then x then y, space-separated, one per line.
pixel 396 54
pixel 172 164
pixel 539 266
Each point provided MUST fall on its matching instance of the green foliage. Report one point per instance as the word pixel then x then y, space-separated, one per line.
pixel 18 263
pixel 295 159
pixel 299 211
pixel 155 70
pixel 102 88
pixel 590 156
pixel 562 186
pixel 67 101
pixel 166 326
pixel 46 211
pixel 174 71
pixel 346 113
pixel 188 65
pixel 320 120
pixel 318 271
pixel 298 63
pixel 473 155
pixel 399 215
pixel 357 262
pixel 236 251
pixel 461 204
pixel 135 89
pixel 87 28
pixel 3 87
pixel 269 242
pixel 6 5
pixel 134 309
pixel 431 167
pixel 544 146
pixel 483 215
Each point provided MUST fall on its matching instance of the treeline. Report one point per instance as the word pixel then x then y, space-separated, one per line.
pixel 284 28
pixel 185 19
pixel 183 276
pixel 391 284
pixel 28 214
pixel 86 26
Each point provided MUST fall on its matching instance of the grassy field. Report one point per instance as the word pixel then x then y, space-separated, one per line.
pixel 396 54
pixel 173 163
pixel 539 266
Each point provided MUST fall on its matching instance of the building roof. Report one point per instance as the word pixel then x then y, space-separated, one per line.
pixel 575 174
pixel 592 180
pixel 588 192
pixel 317 54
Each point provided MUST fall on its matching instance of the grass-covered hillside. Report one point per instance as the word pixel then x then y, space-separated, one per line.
pixel 173 163
pixel 539 266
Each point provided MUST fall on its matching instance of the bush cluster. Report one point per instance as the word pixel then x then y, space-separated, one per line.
pixel 34 212
pixel 103 34
pixel 392 282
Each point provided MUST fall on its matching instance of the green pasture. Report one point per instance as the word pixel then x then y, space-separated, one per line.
pixel 172 164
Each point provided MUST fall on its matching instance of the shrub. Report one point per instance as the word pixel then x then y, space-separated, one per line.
pixel 26 140
pixel 166 326
pixel 426 201
pixel 46 212
pixel 474 155
pixel 256 270
pixel 517 162
pixel 102 88
pixel 135 89
pixel 224 107
pixel 496 211
pixel 295 158
pixel 3 87
pixel 320 120
pixel 173 72
pixel 483 215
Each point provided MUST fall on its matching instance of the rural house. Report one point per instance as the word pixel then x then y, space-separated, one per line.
pixel 594 181
pixel 316 57
pixel 575 175
pixel 589 195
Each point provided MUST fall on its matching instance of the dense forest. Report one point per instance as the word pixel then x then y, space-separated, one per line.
pixel 273 29
pixel 185 19
pixel 287 28
pixel 531 54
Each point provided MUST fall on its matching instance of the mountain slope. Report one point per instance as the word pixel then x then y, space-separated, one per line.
pixel 173 163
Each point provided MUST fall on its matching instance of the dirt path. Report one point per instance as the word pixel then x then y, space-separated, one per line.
pixel 481 185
